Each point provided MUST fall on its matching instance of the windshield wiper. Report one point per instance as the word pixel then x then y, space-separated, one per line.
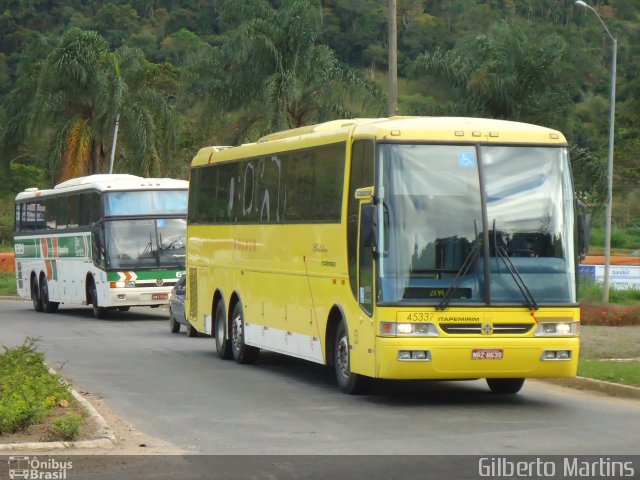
pixel 471 257
pixel 501 252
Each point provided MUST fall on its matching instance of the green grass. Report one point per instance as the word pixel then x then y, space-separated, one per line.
pixel 627 373
pixel 7 284
pixel 591 292
pixel 621 238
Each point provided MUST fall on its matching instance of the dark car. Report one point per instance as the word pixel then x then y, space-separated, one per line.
pixel 176 308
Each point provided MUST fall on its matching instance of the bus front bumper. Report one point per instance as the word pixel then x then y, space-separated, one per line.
pixel 138 297
pixel 479 357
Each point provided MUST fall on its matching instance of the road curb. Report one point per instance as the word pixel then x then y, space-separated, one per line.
pixel 600 386
pixel 107 438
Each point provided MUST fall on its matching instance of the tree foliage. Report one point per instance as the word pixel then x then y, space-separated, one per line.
pixel 185 74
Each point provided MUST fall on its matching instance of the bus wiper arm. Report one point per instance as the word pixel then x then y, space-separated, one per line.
pixel 513 271
pixel 471 257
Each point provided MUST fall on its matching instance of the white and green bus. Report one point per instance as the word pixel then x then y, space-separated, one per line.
pixel 110 241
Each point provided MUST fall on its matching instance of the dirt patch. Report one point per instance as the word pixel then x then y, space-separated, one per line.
pixel 599 342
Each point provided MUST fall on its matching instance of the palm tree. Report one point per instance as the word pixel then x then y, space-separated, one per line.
pixel 82 87
pixel 502 75
pixel 273 74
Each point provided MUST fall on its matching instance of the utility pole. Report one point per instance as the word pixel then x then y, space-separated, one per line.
pixel 113 144
pixel 393 59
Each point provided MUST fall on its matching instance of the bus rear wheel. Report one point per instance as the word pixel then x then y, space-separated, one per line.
pixel 505 386
pixel 223 345
pixel 35 295
pixel 349 382
pixel 242 352
pixel 47 305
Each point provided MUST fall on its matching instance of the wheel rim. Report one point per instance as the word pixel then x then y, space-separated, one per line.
pixel 236 333
pixel 342 357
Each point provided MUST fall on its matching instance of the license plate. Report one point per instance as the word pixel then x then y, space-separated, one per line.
pixel 159 296
pixel 486 354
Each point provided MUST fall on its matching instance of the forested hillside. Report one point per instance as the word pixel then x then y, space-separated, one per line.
pixel 179 75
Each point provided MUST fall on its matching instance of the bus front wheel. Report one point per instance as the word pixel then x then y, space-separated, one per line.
pixel 223 345
pixel 98 311
pixel 506 386
pixel 47 305
pixel 242 352
pixel 35 295
pixel 349 382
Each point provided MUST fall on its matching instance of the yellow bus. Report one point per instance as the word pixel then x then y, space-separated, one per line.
pixel 391 248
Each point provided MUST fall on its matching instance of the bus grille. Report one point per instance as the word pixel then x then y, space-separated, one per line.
pixel 476 328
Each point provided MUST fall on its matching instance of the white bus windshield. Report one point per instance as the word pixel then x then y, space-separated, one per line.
pixel 145 243
pixel 157 202
pixel 432 224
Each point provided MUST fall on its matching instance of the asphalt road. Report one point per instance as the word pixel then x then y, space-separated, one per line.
pixel 175 388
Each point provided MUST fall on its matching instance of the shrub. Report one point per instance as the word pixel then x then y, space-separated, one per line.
pixel 66 427
pixel 609 315
pixel 28 390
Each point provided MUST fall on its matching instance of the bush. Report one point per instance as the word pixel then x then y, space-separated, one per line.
pixel 609 315
pixel 28 391
pixel 66 427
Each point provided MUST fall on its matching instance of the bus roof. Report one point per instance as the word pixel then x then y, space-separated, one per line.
pixel 393 129
pixel 107 182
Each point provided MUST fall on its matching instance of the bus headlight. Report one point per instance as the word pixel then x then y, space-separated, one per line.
pixel 559 329
pixel 408 329
pixel 121 284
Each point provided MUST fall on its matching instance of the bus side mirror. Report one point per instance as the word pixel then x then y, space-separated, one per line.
pixel 584 229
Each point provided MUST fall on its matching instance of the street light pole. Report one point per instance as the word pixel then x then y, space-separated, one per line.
pixel 393 59
pixel 612 113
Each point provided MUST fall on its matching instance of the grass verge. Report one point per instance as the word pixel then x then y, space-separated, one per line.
pixel 627 373
pixel 31 395
pixel 7 283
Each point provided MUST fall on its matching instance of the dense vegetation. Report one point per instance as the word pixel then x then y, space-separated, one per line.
pixel 179 75
pixel 28 390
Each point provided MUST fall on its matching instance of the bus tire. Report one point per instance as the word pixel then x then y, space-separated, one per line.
pixel 505 386
pixel 98 311
pixel 47 305
pixel 242 352
pixel 348 382
pixel 35 295
pixel 223 345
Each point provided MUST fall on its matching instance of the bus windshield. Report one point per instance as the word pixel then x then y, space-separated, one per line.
pixel 145 243
pixel 146 202
pixel 435 235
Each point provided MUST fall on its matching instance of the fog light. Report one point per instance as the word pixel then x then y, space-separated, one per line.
pixel 414 355
pixel 121 296
pixel 556 355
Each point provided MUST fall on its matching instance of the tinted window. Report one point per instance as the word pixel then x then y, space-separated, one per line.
pixel 291 187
